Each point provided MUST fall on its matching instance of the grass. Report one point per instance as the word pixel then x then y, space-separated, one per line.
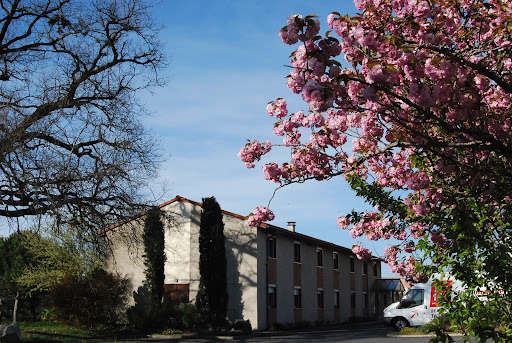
pixel 425 330
pixel 417 330
pixel 43 332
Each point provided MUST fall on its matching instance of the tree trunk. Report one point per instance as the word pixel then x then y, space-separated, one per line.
pixel 15 310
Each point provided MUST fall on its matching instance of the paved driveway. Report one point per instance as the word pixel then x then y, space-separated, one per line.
pixel 373 333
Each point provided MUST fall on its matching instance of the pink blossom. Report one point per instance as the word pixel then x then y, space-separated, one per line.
pixel 343 222
pixel 292 138
pixel 410 247
pixel 361 252
pixel 313 27
pixel 390 253
pixel 298 119
pixel 403 103
pixel 417 230
pixel 258 216
pixel 272 172
pixel 357 230
pixel 290 33
pixel 438 238
pixel 361 4
pixel 253 151
pixel 288 36
pixel 277 108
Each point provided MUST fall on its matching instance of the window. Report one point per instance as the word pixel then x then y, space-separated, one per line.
pixel 271 297
pixel 375 270
pixel 413 298
pixel 365 300
pixel 336 299
pixel 297 297
pixel 376 302
pixel 365 268
pixel 319 257
pixel 296 252
pixel 352 264
pixel 272 247
pixel 336 260
pixel 353 299
pixel 320 298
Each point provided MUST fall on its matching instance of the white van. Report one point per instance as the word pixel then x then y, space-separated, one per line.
pixel 418 305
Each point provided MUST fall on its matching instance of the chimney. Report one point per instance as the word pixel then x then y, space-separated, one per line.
pixel 291 226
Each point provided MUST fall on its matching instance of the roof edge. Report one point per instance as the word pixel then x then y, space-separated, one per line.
pixel 177 198
pixel 235 215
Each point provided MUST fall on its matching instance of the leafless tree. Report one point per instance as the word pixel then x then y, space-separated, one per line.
pixel 71 143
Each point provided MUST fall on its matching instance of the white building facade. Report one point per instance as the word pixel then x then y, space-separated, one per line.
pixel 275 275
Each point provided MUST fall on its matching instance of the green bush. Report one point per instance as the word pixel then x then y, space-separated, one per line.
pixel 146 315
pixel 188 315
pixel 440 324
pixel 241 326
pixel 96 299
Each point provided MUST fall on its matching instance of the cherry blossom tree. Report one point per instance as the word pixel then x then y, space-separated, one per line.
pixel 419 124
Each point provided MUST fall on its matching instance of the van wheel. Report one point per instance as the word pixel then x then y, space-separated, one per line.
pixel 400 323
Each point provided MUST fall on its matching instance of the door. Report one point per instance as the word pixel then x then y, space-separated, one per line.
pixel 414 307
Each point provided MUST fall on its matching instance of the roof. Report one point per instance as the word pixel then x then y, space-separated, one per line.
pixel 176 199
pixel 389 284
pixel 268 227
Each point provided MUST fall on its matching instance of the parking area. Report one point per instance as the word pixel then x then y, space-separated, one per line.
pixel 358 333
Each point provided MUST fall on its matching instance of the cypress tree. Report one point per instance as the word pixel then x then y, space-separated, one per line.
pixel 212 298
pixel 154 257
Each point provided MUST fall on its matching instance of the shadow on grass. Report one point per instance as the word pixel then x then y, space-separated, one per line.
pixel 41 336
pixel 32 336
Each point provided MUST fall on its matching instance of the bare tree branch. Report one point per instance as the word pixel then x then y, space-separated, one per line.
pixel 71 143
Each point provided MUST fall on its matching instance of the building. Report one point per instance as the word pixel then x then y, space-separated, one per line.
pixel 275 275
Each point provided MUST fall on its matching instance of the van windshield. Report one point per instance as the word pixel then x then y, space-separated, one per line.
pixel 413 297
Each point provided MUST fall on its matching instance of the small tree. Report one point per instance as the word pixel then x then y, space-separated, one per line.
pixel 31 265
pixel 18 261
pixel 212 298
pixel 13 260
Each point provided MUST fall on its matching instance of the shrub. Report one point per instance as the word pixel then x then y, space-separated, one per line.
pixel 146 315
pixel 95 299
pixel 241 326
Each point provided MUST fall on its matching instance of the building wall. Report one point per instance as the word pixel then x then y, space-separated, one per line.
pixel 182 257
pixel 242 263
pixel 344 287
pixel 126 249
pixel 281 272
pixel 262 266
pixel 181 233
pixel 250 271
pixel 309 281
pixel 284 249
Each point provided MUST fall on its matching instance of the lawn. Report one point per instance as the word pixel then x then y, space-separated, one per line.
pixel 53 332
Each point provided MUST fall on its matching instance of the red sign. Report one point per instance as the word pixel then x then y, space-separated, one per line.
pixel 434 292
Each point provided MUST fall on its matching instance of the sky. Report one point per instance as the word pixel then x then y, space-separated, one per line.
pixel 226 63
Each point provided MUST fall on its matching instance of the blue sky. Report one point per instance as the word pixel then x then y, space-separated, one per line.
pixel 227 63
